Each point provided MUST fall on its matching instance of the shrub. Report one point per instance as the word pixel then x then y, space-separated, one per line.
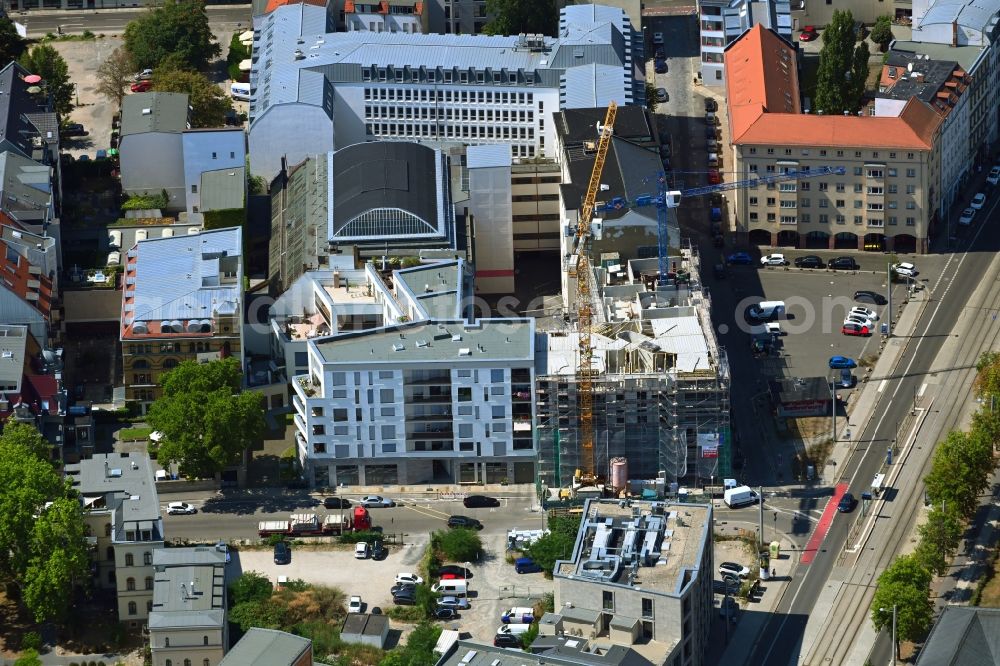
pixel 458 545
pixel 406 613
pixel 355 537
pixel 31 640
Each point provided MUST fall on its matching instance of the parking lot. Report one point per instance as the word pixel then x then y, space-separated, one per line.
pixel 493 587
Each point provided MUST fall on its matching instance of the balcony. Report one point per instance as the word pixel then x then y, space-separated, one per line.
pixel 429 399
pixel 443 433
pixel 446 416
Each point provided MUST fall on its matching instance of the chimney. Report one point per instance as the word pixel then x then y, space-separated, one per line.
pixel 336 279
pixel 954 33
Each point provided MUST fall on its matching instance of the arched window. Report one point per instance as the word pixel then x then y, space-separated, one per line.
pixel 170 363
pixel 187 662
pixel 130 584
pixel 140 364
pixel 205 640
pixel 206 662
pixel 169 662
pixel 131 608
pixel 129 560
pixel 110 553
pixel 149 582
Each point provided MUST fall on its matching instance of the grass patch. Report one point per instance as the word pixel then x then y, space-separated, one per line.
pixel 987 592
pixel 412 614
pixel 134 434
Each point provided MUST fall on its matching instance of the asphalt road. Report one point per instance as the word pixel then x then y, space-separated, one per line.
pixel 781 640
pixel 113 21
pixel 236 517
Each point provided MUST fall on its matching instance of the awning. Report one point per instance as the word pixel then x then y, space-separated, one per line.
pixel 245 65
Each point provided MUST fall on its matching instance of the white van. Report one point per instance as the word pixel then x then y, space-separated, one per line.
pixel 451 588
pixel 513 629
pixel 766 310
pixel 240 91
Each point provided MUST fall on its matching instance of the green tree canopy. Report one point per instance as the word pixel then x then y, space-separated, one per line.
pixel 906 584
pixel 251 586
pixel 206 421
pixel 512 17
pixel 939 538
pixel 960 470
pixel 557 544
pixel 988 375
pixel 176 31
pixel 208 101
pixel 458 545
pixel 881 32
pixel 42 533
pixel 12 45
pixel 46 62
pixel 843 67
pixel 419 648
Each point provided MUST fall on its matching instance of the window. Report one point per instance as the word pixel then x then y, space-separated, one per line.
pixel 857 153
pixel 647 607
pixel 789 204
pixel 892 204
pixel 910 205
pixel 805 203
pixel 892 220
pixel 859 219
pixel 893 189
pixel 858 187
pixel 911 189
pixel 858 203
pixel 753 201
pixel 388 432
pixel 169 662
pixel 822 187
pixel 107 533
pixel 824 218
pixel 891 172
pixel 147 558
pixel 753 151
pixel 858 171
pixel 204 640
pixel 386 395
pixel 841 219
pixel 771 217
pixel 822 153
pixel 788 219
pixel 770 151
pixel 805 218
pixel 753 217
pixel 496 376
pixel 911 221
pixel 339 414
pixel 839 203
pixel 840 187
pixel 892 156
pixel 909 156
pixel 875 155
pixel 875 206
pixel 464 393
pixel 149 582
pixel 608 600
pixel 465 430
pixel 129 560
pixel 132 609
pixel 770 201
pixel 194 188
pixel 130 584
pixel 911 173
pixel 187 662
pixel 206 662
pixel 840 153
pixel 804 186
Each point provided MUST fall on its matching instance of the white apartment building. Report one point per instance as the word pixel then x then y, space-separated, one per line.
pixel 313 93
pixel 122 512
pixel 721 22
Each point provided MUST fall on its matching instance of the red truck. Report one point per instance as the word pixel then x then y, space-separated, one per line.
pixel 310 524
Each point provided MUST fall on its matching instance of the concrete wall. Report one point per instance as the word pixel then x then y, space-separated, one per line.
pixel 210 151
pixel 152 162
pixel 292 130
pixel 490 205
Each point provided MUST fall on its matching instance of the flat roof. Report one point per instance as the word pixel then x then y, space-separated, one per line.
pixel 189 589
pixel 437 288
pixel 364 624
pixel 154 112
pixel 454 341
pixel 127 478
pixel 267 647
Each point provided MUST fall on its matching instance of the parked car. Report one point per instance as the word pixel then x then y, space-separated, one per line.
pixel 718 240
pixel 711 119
pixel 739 259
pixel 856 329
pixel 525 565
pixel 965 219
pixel 459 603
pixel 846 379
pixel 808 34
pixel 282 553
pixel 379 551
pixel 445 613
pixel 402 587
pixel 658 38
pixel 355 605
pixel 865 312
pixel 180 509
pixel 361 550
pixel 846 503
pixel 905 269
pixel 859 319
pixel 460 572
pixel 658 53
pixel 506 641
pixel 711 105
pixel 867 296
pixel 660 67
pixel 376 501
pixel 404 599
pixel 733 569
pixel 144 75
pixel 809 261
pixel 773 260
pixel 839 362
pixel 407 577
pixel 844 264
pixel 661 95
pixel 994 176
pixel 336 503
pixel 141 86
pixel 73 129
pixel 464 521
pixel 480 501
pixel 978 201
pixel 714 178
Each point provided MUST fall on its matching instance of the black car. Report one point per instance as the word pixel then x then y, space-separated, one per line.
pixel 404 599
pixel 464 521
pixel 73 129
pixel 715 199
pixel 282 553
pixel 711 106
pixel 379 551
pixel 809 261
pixel 844 264
pixel 506 641
pixel 336 503
pixel 660 67
pixel 719 240
pixel 445 613
pixel 710 133
pixel 846 504
pixel 461 572
pixel 402 588
pixel 873 297
pixel 480 501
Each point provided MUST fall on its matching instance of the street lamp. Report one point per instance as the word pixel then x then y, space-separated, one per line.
pixel 893 632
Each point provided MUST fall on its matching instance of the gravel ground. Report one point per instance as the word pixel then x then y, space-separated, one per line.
pixel 92 110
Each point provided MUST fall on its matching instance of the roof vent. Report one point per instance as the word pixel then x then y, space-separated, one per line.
pixel 398 347
pixel 465 351
pixel 146 111
pixel 456 338
pixel 422 343
pixel 299 55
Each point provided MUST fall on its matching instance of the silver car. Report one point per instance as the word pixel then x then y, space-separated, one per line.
pixel 376 501
pixel 456 603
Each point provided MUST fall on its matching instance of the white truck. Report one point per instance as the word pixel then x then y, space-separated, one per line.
pixel 740 496
pixel 518 615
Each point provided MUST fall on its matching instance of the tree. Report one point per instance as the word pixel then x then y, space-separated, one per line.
pixel 960 469
pixel 46 62
pixel 881 32
pixel 939 538
pixel 426 599
pixel 843 68
pixel 987 381
pixel 42 533
pixel 906 584
pixel 651 102
pixel 251 586
pixel 551 547
pixel 12 45
pixel 419 648
pixel 115 75
pixel 458 545
pixel 178 30
pixel 208 102
pixel 207 423
pixel 264 613
pixel 512 17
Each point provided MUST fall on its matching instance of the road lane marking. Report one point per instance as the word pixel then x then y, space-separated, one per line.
pixel 823 526
pixel 881 385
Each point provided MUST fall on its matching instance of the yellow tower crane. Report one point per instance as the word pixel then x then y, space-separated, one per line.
pixel 584 311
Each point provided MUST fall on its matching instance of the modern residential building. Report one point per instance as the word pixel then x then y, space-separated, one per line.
pixel 376 196
pixel 122 513
pixel 428 392
pixel 641 577
pixel 660 386
pixel 182 300
pixel 723 21
pixel 944 86
pixel 187 624
pixel 885 199
pixel 201 170
pixel 271 648
pixel 313 93
pixel 31 265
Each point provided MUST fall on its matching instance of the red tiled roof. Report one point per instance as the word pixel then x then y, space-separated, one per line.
pixel 274 4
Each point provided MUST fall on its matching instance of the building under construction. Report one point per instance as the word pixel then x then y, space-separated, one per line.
pixel 660 386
